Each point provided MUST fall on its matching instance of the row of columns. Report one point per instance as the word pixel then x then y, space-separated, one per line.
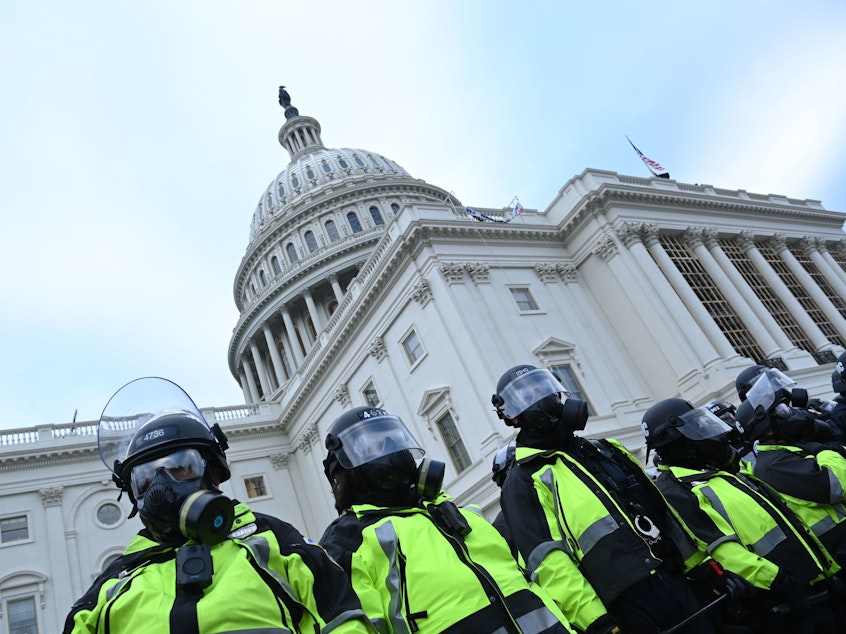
pixel 742 298
pixel 275 371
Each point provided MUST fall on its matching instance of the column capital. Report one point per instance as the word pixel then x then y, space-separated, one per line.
pixel 809 244
pixel 694 237
pixel 279 460
pixel 342 395
pixel 478 271
pixel 422 292
pixel 839 246
pixel 778 242
pixel 709 237
pixel 745 240
pixel 51 496
pixel 650 234
pixel 452 273
pixel 630 233
pixel 309 437
pixel 567 272
pixel 605 248
pixel 547 272
pixel 377 349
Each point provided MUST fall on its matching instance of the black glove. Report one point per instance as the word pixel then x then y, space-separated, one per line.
pixel 712 580
pixel 603 625
pixel 795 597
pixel 738 588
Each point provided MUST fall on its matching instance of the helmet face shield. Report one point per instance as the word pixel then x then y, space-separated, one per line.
pixel 701 424
pixel 527 389
pixel 763 392
pixel 373 438
pixel 182 465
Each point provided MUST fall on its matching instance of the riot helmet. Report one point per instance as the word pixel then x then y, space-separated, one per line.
pixel 747 378
pixel 723 410
pixel 161 450
pixel 685 435
pixel 527 396
pixel 373 457
pixel 502 461
pixel 839 383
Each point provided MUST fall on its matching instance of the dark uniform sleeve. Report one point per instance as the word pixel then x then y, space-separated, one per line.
pixel 342 538
pixel 687 506
pixel 800 475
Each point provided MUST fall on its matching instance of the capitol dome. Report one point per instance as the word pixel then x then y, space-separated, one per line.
pixel 314 227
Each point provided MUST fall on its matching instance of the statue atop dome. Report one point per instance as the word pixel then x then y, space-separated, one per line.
pixel 285 102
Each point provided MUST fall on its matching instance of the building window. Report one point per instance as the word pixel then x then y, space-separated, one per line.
pixel 355 225
pixel 564 373
pixel 332 231
pixel 371 396
pixel 108 514
pixel 358 161
pixel 343 163
pixel 377 217
pixel 280 190
pixel 14 529
pixel 413 348
pixel 274 262
pixel 311 241
pixel 394 208
pixel 309 172
pixel 373 160
pixel 255 487
pixel 294 180
pixel 712 299
pixel 263 277
pixel 453 442
pixel 22 616
pixel 524 299
pixel 326 167
pixel 292 252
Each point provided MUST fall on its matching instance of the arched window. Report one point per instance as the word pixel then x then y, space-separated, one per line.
pixel 374 161
pixel 332 231
pixel 394 208
pixel 377 217
pixel 358 161
pixel 332 306
pixel 343 163
pixel 311 242
pixel 326 167
pixel 263 277
pixel 280 190
pixel 269 201
pixel 294 180
pixel 274 262
pixel 292 252
pixel 309 172
pixel 355 225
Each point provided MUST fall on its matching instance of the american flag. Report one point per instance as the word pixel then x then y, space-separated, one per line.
pixel 656 168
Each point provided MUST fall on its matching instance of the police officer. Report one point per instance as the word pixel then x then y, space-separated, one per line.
pixel 417 561
pixel 792 456
pixel 502 461
pixel 747 527
pixel 568 499
pixel 202 562
pixel 838 384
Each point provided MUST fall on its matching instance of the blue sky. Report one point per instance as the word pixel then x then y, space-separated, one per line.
pixel 137 138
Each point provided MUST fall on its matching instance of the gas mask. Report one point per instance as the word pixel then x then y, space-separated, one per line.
pixel 173 502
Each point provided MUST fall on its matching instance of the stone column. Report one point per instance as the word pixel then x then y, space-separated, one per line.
pixel 260 370
pixel 809 285
pixel 818 339
pixel 636 236
pixel 278 367
pixel 293 343
pixel 54 524
pixel 312 310
pixel 245 386
pixel 251 382
pixel 696 239
pixel 816 250
pixel 691 301
pixel 336 288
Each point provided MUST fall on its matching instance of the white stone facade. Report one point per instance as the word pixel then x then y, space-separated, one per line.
pixel 638 289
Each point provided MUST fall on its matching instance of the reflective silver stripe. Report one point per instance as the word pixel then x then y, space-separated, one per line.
pixel 596 531
pixel 823 526
pixel 710 548
pixel 344 617
pixel 112 592
pixel 770 540
pixel 538 620
pixel 716 503
pixel 835 487
pixel 260 548
pixel 600 528
pixel 386 534
pixel 540 552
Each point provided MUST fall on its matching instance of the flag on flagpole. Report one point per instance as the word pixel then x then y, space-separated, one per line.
pixel 652 166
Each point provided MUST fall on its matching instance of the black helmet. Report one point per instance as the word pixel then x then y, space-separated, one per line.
pixel 502 461
pixel 747 378
pixel 534 395
pixel 370 436
pixel 152 417
pixel 721 409
pixel 838 377
pixel 687 435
